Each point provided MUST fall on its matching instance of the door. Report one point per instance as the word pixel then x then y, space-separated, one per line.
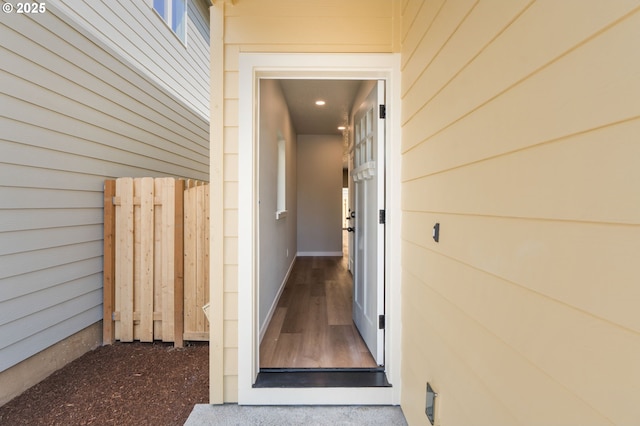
pixel 368 177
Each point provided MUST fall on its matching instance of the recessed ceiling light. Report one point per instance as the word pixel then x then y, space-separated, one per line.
pixel 342 128
pixel 320 103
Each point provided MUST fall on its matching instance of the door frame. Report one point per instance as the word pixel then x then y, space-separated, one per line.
pixel 252 67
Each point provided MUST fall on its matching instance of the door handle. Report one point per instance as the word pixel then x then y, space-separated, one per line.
pixel 350 229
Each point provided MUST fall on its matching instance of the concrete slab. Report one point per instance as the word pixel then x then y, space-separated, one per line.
pixel 233 414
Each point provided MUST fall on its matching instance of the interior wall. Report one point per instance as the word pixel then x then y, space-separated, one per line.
pixel 319 195
pixel 277 237
pixel 520 138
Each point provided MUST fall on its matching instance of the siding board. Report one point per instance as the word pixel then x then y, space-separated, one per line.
pixel 274 27
pixel 409 13
pixel 33 198
pixel 483 24
pixel 91 91
pixel 42 319
pixel 322 9
pixel 500 368
pixel 520 139
pixel 450 17
pixel 137 33
pixel 537 255
pixel 37 239
pixel 512 185
pixel 99 159
pixel 53 330
pixel 17 308
pixel 53 179
pixel 37 280
pixel 95 69
pixel 22 263
pixel 501 66
pixel 89 110
pixel 20 219
pixel 366 31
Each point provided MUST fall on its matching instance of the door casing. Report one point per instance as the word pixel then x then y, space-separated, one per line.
pixel 252 67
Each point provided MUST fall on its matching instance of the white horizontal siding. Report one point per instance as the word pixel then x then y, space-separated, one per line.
pixel 77 108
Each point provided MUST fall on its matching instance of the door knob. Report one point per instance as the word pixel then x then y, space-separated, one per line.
pixel 350 229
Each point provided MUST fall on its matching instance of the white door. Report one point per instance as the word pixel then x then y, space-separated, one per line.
pixel 368 178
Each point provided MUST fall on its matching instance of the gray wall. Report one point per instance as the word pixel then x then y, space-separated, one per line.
pixel 133 30
pixel 319 195
pixel 277 236
pixel 76 109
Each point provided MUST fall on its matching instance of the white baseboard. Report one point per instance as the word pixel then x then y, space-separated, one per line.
pixel 319 253
pixel 274 305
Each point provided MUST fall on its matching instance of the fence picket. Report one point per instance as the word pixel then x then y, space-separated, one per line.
pixel 202 262
pixel 190 247
pixel 158 253
pixel 161 260
pixel 109 299
pixel 178 261
pixel 124 259
pixel 168 244
pixel 147 208
pixel 196 262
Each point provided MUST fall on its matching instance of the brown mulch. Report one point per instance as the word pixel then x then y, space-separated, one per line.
pixel 121 384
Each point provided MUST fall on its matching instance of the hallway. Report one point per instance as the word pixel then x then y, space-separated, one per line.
pixel 312 326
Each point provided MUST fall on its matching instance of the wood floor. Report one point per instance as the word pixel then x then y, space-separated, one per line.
pixel 312 326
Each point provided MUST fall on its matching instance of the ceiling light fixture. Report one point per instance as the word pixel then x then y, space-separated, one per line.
pixel 342 127
pixel 320 103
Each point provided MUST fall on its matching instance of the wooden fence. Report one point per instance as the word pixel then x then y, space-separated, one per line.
pixel 156 260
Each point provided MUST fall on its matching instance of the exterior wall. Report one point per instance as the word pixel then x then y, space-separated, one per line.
pixel 38 367
pixel 319 195
pixel 274 26
pixel 277 236
pixel 136 33
pixel 520 124
pixel 73 112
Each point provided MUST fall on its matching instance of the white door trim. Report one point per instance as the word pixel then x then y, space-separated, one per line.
pixel 252 67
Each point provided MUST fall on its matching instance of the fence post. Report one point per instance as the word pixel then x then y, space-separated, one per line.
pixel 109 288
pixel 179 265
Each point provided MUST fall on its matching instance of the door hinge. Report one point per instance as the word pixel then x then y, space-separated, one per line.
pixel 383 111
pixel 382 217
pixel 381 322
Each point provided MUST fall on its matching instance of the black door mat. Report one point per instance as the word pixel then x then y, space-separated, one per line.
pixel 311 378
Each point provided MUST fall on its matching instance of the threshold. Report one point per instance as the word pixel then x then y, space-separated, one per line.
pixel 321 378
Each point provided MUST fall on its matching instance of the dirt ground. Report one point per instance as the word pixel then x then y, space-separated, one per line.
pixel 121 384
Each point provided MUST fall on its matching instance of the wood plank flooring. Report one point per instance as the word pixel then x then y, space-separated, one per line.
pixel 312 326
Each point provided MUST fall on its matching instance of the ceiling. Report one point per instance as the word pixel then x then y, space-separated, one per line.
pixel 310 119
